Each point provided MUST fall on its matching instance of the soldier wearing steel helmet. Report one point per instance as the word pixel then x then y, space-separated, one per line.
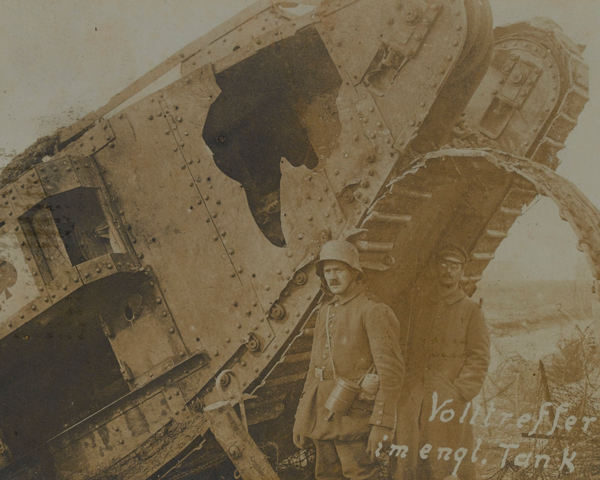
pixel 356 343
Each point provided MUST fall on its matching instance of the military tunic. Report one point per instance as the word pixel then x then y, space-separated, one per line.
pixel 447 352
pixel 363 333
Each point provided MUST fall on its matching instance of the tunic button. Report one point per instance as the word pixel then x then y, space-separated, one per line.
pixel 378 422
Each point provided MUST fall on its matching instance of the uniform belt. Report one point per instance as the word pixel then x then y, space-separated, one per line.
pixel 322 374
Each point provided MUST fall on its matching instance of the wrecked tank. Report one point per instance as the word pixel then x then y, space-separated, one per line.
pixel 158 258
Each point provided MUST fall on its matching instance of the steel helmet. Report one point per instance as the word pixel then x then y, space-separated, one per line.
pixel 339 250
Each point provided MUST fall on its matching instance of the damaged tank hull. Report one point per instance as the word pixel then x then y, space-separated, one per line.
pixel 159 255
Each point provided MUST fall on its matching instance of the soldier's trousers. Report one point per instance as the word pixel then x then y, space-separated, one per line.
pixel 343 460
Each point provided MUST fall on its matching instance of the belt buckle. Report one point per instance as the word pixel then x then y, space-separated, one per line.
pixel 319 373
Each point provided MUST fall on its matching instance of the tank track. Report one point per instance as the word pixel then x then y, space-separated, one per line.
pixel 562 58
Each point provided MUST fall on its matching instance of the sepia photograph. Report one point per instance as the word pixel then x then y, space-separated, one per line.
pixel 300 240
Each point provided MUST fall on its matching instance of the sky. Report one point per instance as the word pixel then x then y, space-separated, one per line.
pixel 61 59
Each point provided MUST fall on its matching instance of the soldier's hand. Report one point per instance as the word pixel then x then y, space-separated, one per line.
pixel 299 440
pixel 379 442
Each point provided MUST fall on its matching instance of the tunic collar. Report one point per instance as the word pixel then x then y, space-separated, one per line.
pixel 450 299
pixel 352 292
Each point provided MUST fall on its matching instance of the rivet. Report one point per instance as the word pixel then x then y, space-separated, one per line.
pixel 159 300
pixel 267 287
pixel 256 369
pixel 300 237
pixel 150 117
pixel 228 340
pixel 239 325
pixel 214 215
pixel 171 330
pixel 164 314
pixel 216 354
pixel 355 138
pixel 33 307
pixel 336 172
pixel 215 238
pixel 240 269
pixel 98 270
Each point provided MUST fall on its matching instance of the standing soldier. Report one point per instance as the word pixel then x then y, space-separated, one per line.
pixel 356 344
pixel 447 357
